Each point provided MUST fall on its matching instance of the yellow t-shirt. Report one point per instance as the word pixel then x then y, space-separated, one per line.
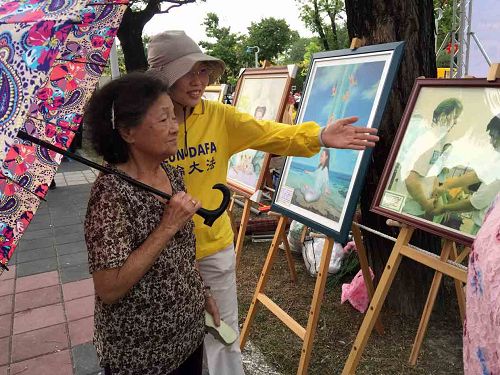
pixel 215 132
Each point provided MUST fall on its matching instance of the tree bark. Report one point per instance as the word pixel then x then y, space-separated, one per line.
pixel 130 35
pixel 381 22
pixel 335 37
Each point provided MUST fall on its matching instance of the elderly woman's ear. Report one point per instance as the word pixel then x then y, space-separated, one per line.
pixel 127 134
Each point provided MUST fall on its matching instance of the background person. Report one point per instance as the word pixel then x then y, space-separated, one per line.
pixel 211 133
pixel 149 304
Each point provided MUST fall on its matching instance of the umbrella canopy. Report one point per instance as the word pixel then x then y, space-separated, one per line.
pixel 52 54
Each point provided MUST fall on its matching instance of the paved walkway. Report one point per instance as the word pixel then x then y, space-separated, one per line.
pixel 47 296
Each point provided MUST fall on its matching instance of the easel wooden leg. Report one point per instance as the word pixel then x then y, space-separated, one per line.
pixel 312 322
pixel 377 302
pixel 231 217
pixel 242 230
pixel 365 270
pixel 459 286
pixel 273 250
pixel 289 258
pixel 429 304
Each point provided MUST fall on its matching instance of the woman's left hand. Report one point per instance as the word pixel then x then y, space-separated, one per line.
pixel 211 307
pixel 342 134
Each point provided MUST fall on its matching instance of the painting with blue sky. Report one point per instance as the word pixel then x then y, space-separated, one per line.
pixel 321 188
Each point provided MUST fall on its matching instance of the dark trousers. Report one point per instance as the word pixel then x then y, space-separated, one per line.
pixel 191 366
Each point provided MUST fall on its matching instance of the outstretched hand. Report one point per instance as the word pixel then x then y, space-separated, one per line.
pixel 342 134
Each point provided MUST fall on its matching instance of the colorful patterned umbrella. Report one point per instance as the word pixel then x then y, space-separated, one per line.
pixel 52 54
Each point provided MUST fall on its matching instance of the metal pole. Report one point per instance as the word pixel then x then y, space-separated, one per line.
pixel 113 60
pixel 453 39
pixel 436 26
pixel 481 48
pixel 467 38
pixel 461 42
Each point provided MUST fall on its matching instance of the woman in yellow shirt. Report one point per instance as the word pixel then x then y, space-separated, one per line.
pixel 210 132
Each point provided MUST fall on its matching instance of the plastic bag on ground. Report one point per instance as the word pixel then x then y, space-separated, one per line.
pixel 311 252
pixel 356 292
pixel 293 236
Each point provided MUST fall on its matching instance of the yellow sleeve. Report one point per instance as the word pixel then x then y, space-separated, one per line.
pixel 273 137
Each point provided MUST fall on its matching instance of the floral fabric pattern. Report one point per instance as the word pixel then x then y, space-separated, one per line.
pixel 160 321
pixel 482 325
pixel 50 63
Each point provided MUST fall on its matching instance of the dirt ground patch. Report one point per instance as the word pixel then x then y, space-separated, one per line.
pixel 338 325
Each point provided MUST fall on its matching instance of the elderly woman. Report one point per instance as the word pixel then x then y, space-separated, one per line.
pixel 149 305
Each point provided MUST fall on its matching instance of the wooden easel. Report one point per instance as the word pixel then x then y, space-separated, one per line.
pixel 447 253
pixel 247 205
pixel 306 334
pixel 240 237
pixel 402 248
pixel 452 254
pixel 230 209
pixel 365 269
pixel 448 263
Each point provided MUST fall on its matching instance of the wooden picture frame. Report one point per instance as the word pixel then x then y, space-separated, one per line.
pixel 340 83
pixel 443 170
pixel 263 93
pixel 215 92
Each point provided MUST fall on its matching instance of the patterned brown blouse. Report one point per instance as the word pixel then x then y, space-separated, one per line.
pixel 160 322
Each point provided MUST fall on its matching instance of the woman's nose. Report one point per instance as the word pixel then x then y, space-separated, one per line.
pixel 175 126
pixel 196 81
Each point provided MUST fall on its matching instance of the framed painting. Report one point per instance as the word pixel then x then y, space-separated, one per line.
pixel 263 93
pixel 323 191
pixel 443 170
pixel 215 92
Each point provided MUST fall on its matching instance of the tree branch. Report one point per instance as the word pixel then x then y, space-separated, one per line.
pixel 170 7
pixel 154 7
pixel 319 26
pixel 177 3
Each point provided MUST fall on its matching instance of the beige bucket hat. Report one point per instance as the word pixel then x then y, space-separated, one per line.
pixel 172 54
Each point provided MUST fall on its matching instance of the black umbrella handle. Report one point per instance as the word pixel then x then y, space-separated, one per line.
pixel 209 216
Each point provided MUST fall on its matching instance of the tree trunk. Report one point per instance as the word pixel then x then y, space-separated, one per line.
pixel 335 37
pixel 380 22
pixel 130 36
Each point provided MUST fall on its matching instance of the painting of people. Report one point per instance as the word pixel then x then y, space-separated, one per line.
pixel 445 169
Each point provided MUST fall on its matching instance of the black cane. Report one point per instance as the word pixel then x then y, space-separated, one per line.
pixel 209 216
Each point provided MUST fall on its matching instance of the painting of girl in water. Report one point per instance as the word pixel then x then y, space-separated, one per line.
pixel 322 191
